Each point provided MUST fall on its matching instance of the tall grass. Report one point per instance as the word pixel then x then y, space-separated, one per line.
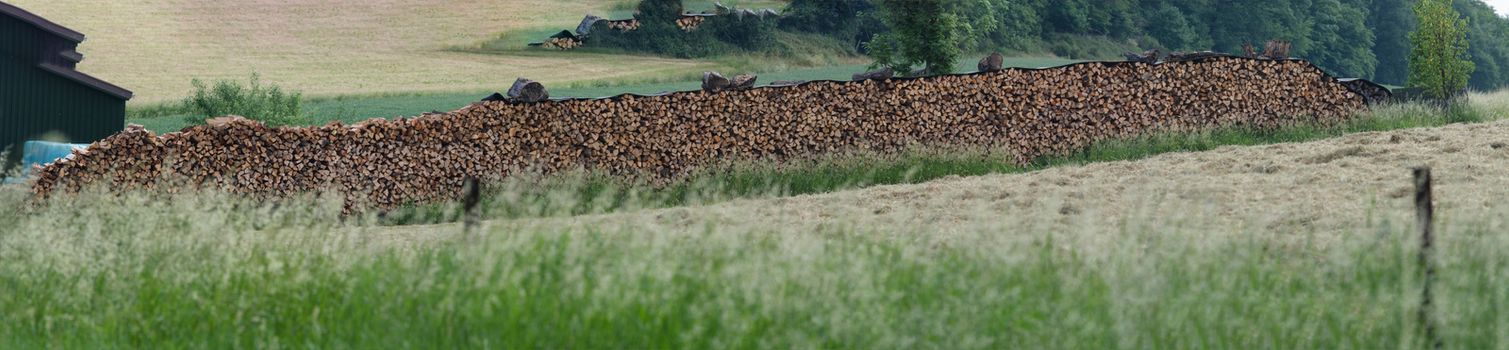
pixel 210 271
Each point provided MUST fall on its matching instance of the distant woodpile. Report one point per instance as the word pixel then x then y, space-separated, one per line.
pixel 690 23
pixel 562 43
pixel 384 163
pixel 624 25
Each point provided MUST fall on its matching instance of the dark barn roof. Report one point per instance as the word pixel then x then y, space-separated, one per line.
pixel 41 23
pixel 67 57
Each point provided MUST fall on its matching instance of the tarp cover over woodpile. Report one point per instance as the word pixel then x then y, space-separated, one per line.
pixel 1030 112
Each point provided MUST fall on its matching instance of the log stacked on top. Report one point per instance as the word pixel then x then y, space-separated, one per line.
pixel 383 163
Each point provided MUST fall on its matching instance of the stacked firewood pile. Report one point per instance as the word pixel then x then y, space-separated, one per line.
pixel 562 43
pixel 1371 92
pixel 383 163
pixel 689 23
pixel 624 25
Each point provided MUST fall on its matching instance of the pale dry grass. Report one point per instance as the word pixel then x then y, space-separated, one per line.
pixel 1326 186
pixel 1493 105
pixel 325 47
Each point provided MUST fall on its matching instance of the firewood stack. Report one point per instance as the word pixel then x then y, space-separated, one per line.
pixel 562 43
pixel 1031 113
pixel 689 23
pixel 1371 92
pixel 625 25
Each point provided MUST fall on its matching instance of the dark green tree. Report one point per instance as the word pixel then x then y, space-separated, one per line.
pixel 1339 40
pixel 1391 21
pixel 1438 63
pixel 1021 24
pixel 838 18
pixel 923 33
pixel 978 21
pixel 1238 22
pixel 659 11
pixel 1488 45
pixel 1068 16
pixel 1169 25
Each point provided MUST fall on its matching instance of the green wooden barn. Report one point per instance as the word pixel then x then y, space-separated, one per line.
pixel 41 95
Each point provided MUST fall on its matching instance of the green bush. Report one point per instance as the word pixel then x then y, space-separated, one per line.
pixel 923 33
pixel 749 33
pixel 839 18
pixel 1440 63
pixel 658 33
pixel 268 104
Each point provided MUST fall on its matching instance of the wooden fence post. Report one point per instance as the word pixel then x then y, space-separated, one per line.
pixel 471 198
pixel 1425 220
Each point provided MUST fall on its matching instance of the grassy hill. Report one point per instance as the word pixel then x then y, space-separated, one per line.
pixel 337 47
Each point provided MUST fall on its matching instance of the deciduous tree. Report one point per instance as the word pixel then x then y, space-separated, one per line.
pixel 1439 62
pixel 922 34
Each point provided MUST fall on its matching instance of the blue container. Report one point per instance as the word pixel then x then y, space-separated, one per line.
pixel 40 153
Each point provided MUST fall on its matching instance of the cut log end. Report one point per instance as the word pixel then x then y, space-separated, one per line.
pixel 743 82
pixel 714 82
pixel 992 63
pixel 527 91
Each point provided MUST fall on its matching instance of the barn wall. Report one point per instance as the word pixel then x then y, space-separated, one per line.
pixel 36 103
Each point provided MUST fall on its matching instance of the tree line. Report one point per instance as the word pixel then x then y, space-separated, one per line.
pixel 1354 38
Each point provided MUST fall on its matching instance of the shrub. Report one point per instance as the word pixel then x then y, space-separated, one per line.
pixel 838 18
pixel 658 33
pixel 749 33
pixel 1439 63
pixel 923 33
pixel 268 104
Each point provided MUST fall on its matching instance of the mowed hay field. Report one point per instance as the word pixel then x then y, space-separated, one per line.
pixel 333 47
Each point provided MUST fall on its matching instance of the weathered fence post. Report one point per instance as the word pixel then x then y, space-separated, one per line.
pixel 471 197
pixel 1425 220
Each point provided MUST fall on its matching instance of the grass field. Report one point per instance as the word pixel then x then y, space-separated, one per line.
pixel 946 269
pixel 333 47
pixel 1298 238
pixel 1284 246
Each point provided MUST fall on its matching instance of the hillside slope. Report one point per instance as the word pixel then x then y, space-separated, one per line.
pixel 155 47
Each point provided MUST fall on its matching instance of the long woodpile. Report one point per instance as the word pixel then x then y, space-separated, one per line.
pixel 383 163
